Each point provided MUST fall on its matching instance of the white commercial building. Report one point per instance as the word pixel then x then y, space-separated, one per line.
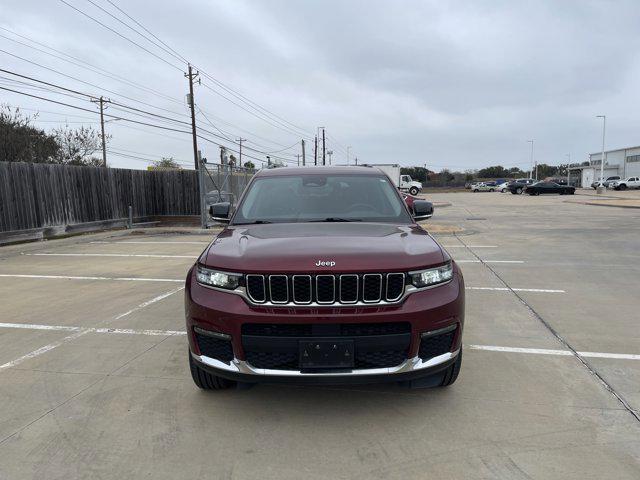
pixel 623 162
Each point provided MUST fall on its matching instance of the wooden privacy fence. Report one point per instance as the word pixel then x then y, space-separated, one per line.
pixel 41 196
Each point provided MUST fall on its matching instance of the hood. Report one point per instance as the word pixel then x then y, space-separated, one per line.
pixel 302 247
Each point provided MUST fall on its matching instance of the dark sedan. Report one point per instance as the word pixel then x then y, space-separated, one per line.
pixel 549 187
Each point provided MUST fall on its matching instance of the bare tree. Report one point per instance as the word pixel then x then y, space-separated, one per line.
pixel 77 145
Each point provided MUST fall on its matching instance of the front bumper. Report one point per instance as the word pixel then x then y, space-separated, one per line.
pixel 226 316
pixel 411 369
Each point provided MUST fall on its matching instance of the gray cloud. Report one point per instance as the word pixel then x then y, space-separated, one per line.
pixel 460 85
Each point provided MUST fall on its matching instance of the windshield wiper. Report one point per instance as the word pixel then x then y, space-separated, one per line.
pixel 255 222
pixel 337 219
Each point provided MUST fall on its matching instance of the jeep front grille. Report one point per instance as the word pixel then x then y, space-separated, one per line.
pixel 325 289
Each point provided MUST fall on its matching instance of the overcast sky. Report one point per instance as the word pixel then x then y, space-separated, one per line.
pixel 446 84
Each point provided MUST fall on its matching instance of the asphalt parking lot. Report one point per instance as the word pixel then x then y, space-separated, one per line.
pixel 94 380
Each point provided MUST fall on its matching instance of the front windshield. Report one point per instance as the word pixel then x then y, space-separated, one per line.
pixel 330 198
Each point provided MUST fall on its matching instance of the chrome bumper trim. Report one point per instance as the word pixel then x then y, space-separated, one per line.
pixel 242 367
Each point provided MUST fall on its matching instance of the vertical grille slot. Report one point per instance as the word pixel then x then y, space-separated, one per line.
pixel 256 288
pixel 302 289
pixel 372 288
pixel 348 288
pixel 325 289
pixel 395 286
pixel 279 288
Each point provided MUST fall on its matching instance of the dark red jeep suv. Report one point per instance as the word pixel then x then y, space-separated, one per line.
pixel 324 276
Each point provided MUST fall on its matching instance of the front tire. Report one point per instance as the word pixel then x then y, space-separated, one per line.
pixel 414 191
pixel 519 191
pixel 451 374
pixel 491 190
pixel 476 191
pixel 622 187
pixel 205 380
pixel 503 190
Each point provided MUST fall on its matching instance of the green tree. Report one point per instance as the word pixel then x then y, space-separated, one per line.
pixel 416 173
pixel 167 163
pixel 20 141
pixel 249 165
pixel 545 170
pixel 496 171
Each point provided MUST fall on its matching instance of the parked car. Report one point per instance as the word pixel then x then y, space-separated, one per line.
pixel 526 181
pixel 606 183
pixel 323 275
pixel 517 186
pixel 502 187
pixel 630 182
pixel 482 187
pixel 549 187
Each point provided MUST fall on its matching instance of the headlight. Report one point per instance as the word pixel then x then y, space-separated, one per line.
pixel 214 278
pixel 433 276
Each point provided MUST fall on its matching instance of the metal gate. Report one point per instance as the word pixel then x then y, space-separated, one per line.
pixel 221 183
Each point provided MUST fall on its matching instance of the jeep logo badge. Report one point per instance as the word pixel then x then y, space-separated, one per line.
pixel 325 263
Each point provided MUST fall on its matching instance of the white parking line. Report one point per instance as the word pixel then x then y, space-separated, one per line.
pixel 564 353
pixel 470 246
pixel 42 350
pixel 78 331
pixel 65 328
pixel 505 289
pixel 203 242
pixel 65 277
pixel 489 261
pixel 148 302
pixel 105 255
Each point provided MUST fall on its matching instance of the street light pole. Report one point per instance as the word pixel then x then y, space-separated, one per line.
pixel 568 155
pixel 600 188
pixel 531 171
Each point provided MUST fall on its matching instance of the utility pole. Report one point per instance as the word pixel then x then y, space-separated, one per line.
pixel 324 162
pixel 568 155
pixel 304 156
pixel 600 188
pixel 531 171
pixel 315 151
pixel 356 160
pixel 298 156
pixel 191 76
pixel 240 140
pixel 101 101
pixel 329 152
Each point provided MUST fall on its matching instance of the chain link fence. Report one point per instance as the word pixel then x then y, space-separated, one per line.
pixel 221 183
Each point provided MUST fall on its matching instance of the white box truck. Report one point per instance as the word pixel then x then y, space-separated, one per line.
pixel 404 182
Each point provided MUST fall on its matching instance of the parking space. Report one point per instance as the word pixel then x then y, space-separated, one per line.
pixel 94 378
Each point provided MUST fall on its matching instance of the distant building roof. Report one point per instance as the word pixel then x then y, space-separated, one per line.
pixel 616 150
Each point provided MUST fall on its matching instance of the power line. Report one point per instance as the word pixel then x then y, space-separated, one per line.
pixel 88 83
pixel 121 35
pixel 259 111
pixel 134 30
pixel 146 30
pixel 83 64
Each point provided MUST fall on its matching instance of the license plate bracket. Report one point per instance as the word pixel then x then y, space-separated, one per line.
pixel 326 353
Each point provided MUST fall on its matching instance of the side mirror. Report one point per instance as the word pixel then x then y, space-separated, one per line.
pixel 220 212
pixel 422 210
